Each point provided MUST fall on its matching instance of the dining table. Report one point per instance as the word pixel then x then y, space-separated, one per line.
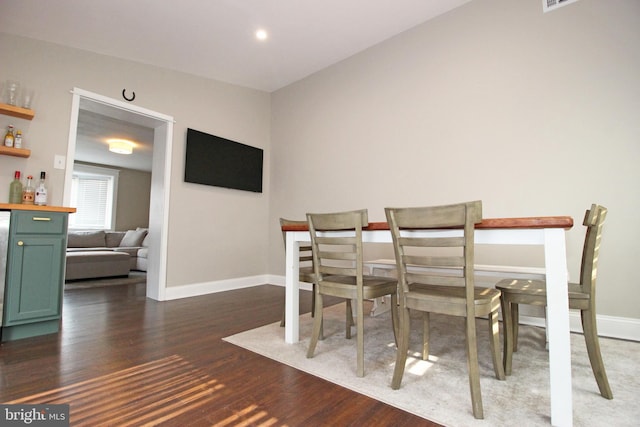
pixel 546 231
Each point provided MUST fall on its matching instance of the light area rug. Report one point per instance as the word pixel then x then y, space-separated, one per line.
pixel 438 389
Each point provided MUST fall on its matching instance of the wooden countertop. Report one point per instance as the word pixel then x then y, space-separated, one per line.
pixel 13 207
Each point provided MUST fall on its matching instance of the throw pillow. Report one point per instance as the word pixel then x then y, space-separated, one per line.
pixel 145 242
pixel 133 238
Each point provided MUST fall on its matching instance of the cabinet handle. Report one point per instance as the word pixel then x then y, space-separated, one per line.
pixel 39 218
pixel 20 243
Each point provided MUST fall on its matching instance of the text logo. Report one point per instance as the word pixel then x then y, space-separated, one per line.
pixel 34 415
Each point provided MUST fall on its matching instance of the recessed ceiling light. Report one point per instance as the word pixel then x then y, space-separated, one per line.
pixel 261 35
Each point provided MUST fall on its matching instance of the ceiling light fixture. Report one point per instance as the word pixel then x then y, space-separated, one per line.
pixel 120 146
pixel 261 35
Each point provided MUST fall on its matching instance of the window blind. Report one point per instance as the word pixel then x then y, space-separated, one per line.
pixel 92 196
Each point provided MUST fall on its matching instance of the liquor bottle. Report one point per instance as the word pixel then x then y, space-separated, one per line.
pixel 28 192
pixel 9 137
pixel 17 143
pixel 15 189
pixel 41 191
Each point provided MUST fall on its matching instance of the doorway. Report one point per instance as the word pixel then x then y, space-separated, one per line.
pixel 162 126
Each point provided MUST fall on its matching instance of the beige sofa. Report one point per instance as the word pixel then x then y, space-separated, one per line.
pixel 95 254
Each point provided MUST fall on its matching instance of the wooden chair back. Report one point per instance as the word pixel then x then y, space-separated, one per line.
pixel 594 221
pixel 338 253
pixel 430 259
pixel 306 258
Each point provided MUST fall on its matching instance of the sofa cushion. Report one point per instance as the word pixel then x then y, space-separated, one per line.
pixel 133 238
pixel 142 252
pixel 114 238
pixel 133 253
pixel 86 239
pixel 128 250
pixel 141 259
pixel 90 264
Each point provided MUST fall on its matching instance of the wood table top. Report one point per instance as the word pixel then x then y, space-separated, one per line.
pixel 565 222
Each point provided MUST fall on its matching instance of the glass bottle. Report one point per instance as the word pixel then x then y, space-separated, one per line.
pixel 17 143
pixel 28 192
pixel 9 137
pixel 15 189
pixel 41 191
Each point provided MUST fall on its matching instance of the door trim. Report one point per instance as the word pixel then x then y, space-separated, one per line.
pixel 160 180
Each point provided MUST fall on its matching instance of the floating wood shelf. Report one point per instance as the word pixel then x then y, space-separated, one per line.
pixel 13 111
pixel 21 113
pixel 15 152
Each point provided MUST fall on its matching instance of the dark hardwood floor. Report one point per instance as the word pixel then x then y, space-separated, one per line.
pixel 122 359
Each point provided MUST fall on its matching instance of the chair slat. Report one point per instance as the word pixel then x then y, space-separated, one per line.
pixel 432 242
pixel 336 240
pixel 430 279
pixel 433 261
pixel 331 270
pixel 345 256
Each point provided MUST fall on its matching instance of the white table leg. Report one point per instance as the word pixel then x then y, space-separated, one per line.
pixel 292 299
pixel 555 258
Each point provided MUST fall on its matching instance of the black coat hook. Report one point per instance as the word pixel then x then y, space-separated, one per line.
pixel 125 96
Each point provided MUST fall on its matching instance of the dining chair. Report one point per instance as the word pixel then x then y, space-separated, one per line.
pixel 435 275
pixel 306 271
pixel 336 240
pixel 306 262
pixel 582 296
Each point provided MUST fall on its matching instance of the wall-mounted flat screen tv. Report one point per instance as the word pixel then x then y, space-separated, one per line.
pixel 212 160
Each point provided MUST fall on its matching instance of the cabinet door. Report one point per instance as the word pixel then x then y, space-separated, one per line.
pixel 34 275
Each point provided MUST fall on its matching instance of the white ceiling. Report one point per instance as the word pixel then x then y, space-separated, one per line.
pixel 216 38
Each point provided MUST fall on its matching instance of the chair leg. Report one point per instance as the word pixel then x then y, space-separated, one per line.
pixel 360 336
pixel 349 321
pixel 403 347
pixel 425 335
pixel 474 368
pixel 395 323
pixel 515 321
pixel 282 319
pixel 593 349
pixel 494 330
pixel 317 327
pixel 507 322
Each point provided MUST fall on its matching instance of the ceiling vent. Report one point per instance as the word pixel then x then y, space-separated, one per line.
pixel 549 5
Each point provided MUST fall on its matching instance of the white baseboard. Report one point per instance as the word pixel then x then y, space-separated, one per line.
pixel 196 289
pixel 279 281
pixel 608 326
pixel 622 328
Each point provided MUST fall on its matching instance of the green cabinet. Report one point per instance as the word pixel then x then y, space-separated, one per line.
pixel 34 274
